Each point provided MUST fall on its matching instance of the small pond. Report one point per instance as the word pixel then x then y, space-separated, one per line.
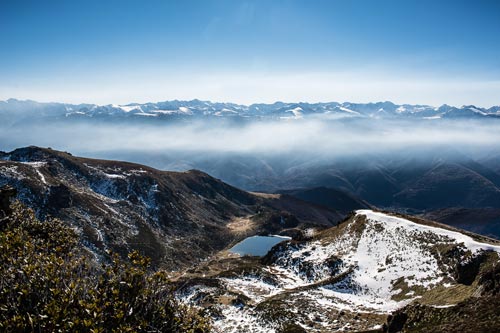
pixel 257 245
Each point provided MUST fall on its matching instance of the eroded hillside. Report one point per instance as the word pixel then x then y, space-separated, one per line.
pixel 172 217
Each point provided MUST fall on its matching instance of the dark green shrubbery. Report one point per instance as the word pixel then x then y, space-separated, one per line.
pixel 48 284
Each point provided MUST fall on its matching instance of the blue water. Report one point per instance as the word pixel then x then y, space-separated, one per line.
pixel 257 245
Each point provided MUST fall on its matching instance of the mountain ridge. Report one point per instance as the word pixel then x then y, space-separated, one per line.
pixel 176 109
pixel 169 216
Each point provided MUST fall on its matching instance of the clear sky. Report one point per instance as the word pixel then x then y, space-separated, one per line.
pixel 421 51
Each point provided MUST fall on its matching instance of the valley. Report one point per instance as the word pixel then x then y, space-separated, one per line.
pixel 339 264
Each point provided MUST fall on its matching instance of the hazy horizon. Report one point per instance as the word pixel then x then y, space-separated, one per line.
pixel 416 52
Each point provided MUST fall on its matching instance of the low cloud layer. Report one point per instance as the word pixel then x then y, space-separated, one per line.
pixel 329 138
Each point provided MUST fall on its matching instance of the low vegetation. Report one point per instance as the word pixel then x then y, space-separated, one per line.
pixel 49 284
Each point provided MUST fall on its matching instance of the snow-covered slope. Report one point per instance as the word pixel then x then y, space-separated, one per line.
pixel 347 277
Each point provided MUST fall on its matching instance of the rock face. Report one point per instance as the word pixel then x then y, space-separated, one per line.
pixel 171 217
pixel 350 277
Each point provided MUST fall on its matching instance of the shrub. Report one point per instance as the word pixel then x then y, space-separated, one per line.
pixel 50 284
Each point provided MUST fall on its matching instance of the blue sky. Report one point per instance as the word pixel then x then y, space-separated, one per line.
pixel 431 52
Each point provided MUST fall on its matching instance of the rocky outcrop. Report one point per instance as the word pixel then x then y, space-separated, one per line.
pixel 475 314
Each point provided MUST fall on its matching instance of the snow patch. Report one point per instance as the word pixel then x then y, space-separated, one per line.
pixel 458 237
pixel 297 112
pixel 11 171
pixel 185 110
pixel 114 176
pixel 128 108
pixel 348 110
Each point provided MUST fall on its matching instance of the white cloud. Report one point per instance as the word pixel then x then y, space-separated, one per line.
pixel 335 138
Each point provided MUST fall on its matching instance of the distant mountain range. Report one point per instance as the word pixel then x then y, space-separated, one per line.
pixel 13 110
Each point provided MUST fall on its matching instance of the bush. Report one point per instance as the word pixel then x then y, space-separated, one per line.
pixel 50 284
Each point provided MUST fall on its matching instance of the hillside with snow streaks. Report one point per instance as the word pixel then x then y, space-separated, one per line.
pixel 172 217
pixel 347 277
